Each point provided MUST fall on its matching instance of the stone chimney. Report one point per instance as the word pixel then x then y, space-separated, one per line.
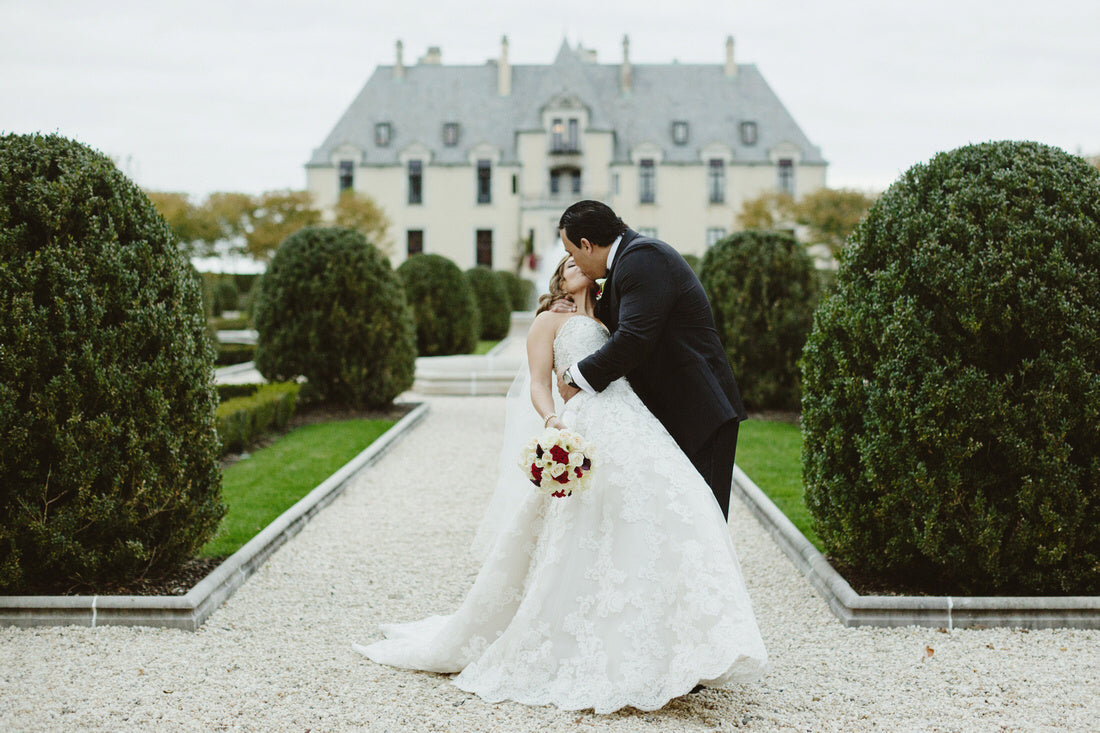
pixel 399 67
pixel 731 65
pixel 626 73
pixel 434 56
pixel 504 70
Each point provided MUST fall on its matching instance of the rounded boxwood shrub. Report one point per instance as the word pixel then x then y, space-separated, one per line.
pixel 226 297
pixel 108 453
pixel 494 303
pixel 443 303
pixel 521 292
pixel 331 309
pixel 952 380
pixel 762 288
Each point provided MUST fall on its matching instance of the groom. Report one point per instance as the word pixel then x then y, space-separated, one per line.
pixel 663 339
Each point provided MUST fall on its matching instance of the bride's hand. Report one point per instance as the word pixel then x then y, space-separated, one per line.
pixel 557 424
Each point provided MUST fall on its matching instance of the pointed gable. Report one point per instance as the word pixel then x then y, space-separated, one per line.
pixel 418 103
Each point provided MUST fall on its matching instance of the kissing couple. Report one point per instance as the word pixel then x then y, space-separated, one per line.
pixel 630 593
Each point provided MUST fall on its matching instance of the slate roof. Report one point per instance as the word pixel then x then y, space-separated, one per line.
pixel 430 95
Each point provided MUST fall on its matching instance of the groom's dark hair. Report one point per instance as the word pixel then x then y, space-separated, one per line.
pixel 591 220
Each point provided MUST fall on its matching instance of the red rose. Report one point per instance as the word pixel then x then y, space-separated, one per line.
pixel 559 454
pixel 563 479
pixel 578 472
pixel 536 474
pixel 586 464
pixel 559 494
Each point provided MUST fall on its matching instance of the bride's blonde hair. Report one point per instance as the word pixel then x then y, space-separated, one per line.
pixel 556 292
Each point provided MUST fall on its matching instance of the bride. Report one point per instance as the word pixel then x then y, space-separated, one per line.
pixel 629 593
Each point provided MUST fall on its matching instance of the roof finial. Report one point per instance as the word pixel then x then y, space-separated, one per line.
pixel 399 67
pixel 731 65
pixel 504 70
pixel 626 72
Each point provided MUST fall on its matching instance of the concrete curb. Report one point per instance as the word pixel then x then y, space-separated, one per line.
pixel 949 612
pixel 234 369
pixel 191 610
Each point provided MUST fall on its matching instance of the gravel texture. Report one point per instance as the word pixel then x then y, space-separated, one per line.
pixel 277 655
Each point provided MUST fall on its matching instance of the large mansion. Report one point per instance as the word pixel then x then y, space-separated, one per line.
pixel 477 163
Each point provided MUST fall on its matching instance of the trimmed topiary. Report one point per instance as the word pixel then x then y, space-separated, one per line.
pixel 226 297
pixel 762 288
pixel 521 292
pixel 952 381
pixel 494 303
pixel 331 309
pixel 443 304
pixel 108 454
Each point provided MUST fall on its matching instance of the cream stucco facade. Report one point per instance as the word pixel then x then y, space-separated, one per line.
pixel 477 163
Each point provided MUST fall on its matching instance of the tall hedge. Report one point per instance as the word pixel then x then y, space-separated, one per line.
pixel 108 454
pixel 521 292
pixel 762 288
pixel 443 303
pixel 331 309
pixel 494 303
pixel 952 380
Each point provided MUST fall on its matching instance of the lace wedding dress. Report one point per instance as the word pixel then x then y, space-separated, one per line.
pixel 629 593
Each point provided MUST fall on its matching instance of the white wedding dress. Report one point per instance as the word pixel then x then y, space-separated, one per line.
pixel 629 593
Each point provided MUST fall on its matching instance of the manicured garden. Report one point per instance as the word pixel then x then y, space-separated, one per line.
pixel 258 488
pixel 769 452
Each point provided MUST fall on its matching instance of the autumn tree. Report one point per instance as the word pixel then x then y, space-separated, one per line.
pixel 277 215
pixel 192 229
pixel 230 213
pixel 358 211
pixel 831 215
pixel 770 210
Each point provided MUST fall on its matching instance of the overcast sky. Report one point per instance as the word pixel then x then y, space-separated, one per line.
pixel 233 95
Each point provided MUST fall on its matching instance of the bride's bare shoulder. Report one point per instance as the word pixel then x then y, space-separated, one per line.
pixel 547 323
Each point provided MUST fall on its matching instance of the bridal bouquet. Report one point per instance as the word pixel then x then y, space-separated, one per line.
pixel 558 462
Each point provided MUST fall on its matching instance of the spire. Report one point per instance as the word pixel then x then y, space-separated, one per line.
pixel 626 72
pixel 399 67
pixel 504 70
pixel 731 65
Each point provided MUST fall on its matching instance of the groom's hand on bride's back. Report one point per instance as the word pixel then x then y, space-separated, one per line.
pixel 567 391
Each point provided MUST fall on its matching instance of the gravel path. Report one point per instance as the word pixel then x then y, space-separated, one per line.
pixel 277 656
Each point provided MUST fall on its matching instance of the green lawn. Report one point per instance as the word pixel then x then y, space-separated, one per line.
pixel 483 347
pixel 770 453
pixel 260 488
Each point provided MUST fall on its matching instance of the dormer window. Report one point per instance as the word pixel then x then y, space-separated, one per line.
pixel 565 135
pixel 450 134
pixel 383 133
pixel 748 133
pixel 647 181
pixel 680 132
pixel 347 175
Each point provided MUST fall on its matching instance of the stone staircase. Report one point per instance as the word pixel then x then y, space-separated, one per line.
pixel 463 374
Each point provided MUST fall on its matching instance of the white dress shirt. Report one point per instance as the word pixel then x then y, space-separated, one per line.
pixel 574 370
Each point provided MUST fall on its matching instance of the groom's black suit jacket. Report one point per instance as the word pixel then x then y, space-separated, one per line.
pixel 663 339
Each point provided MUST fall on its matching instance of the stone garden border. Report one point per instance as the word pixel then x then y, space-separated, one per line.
pixel 191 610
pixel 948 612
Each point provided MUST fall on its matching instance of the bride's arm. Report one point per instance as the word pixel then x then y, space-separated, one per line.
pixel 540 359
